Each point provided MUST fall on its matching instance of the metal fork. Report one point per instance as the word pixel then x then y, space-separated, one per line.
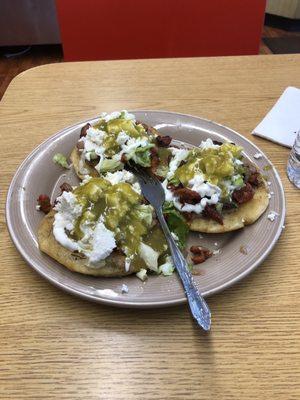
pixel 154 193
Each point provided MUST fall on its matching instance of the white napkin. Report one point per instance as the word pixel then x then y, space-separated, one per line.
pixel 282 122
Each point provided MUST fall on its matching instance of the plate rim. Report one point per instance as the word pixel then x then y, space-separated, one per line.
pixel 125 303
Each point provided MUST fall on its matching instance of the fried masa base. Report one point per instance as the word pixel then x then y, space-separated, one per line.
pixel 245 214
pixel 75 159
pixel 113 265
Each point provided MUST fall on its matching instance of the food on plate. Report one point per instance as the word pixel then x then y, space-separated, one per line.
pixel 104 228
pixel 61 160
pixel 210 185
pixel 214 188
pixel 116 139
pixel 44 203
pixel 200 254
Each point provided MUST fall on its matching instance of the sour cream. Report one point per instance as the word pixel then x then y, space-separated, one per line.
pixel 97 243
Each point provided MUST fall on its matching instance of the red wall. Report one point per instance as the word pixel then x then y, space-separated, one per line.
pixel 122 29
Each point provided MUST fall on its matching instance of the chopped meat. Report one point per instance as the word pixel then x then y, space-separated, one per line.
pixel 187 196
pixel 200 254
pixel 80 145
pixel 44 203
pixel 66 187
pixel 84 129
pixel 244 194
pixel 198 259
pixel 211 212
pixel 252 175
pixel 229 206
pixel 163 141
pixel 253 178
pixel 154 159
pixel 201 250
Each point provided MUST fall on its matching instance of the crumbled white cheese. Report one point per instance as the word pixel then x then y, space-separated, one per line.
pixel 198 185
pixel 132 144
pixel 149 255
pixel 122 138
pixel 272 215
pixel 120 176
pixel 124 288
pixel 123 176
pixel 103 243
pixel 142 274
pixel 257 156
pixel 208 144
pixel 167 268
pixel 116 114
pixel 178 155
pixel 93 143
pixel 236 161
pixel 215 252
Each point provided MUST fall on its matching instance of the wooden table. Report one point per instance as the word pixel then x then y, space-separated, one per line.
pixel 56 346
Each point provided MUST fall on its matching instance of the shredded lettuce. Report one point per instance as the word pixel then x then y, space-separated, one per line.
pixel 109 164
pixel 238 181
pixel 61 160
pixel 149 255
pixel 167 268
pixel 145 213
pixel 176 223
pixel 141 156
pixel 162 170
pixel 174 180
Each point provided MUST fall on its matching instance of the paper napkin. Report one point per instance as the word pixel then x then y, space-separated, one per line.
pixel 282 122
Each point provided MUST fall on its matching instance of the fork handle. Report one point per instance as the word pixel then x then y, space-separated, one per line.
pixel 198 305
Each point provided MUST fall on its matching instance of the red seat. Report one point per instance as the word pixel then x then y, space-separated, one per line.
pixel 126 29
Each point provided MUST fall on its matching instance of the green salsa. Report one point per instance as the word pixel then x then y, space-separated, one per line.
pixel 215 164
pixel 122 211
pixel 113 128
